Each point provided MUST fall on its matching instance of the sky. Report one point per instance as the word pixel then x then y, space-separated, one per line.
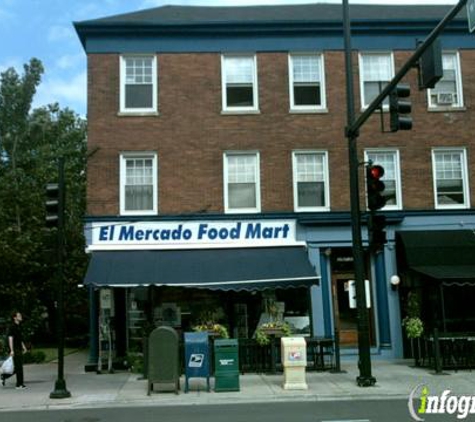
pixel 44 29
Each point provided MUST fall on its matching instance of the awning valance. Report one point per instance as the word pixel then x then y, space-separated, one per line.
pixel 215 269
pixel 440 254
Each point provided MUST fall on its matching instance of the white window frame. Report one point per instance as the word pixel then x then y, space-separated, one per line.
pixel 458 87
pixel 229 210
pixel 397 171
pixel 123 161
pixel 361 57
pixel 308 108
pixel 136 110
pixel 255 88
pixel 465 183
pixel 326 181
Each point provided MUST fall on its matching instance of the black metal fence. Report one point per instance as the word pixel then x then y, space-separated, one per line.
pixel 444 350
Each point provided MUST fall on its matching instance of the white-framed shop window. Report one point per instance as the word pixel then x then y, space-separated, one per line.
pixel 307 82
pixel 311 181
pixel 138 183
pixel 239 83
pixel 138 84
pixel 376 70
pixel 389 160
pixel 241 182
pixel 448 92
pixel 451 189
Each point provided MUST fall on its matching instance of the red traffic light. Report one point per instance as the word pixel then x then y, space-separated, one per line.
pixel 375 187
pixel 376 172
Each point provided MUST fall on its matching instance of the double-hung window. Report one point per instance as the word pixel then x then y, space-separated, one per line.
pixel 376 70
pixel 448 91
pixel 138 184
pixel 239 83
pixel 241 182
pixel 389 160
pixel 311 186
pixel 307 82
pixel 138 84
pixel 450 178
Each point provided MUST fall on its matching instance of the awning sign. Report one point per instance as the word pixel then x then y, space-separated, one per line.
pixel 162 235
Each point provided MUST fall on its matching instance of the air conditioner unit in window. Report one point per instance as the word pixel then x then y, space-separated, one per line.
pixel 445 98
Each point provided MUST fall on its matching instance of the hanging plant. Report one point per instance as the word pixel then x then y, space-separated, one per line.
pixel 414 327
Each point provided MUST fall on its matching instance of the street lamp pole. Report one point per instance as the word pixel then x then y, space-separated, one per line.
pixel 365 379
pixel 60 391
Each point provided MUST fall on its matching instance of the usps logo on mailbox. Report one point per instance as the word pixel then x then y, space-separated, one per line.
pixel 295 355
pixel 196 360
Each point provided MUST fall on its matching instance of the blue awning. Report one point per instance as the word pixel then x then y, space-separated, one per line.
pixel 215 269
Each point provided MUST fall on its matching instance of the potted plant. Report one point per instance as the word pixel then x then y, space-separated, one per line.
pixel 268 329
pixel 413 325
pixel 214 329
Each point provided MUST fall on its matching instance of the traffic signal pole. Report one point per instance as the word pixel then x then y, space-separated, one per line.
pixel 365 378
pixel 412 62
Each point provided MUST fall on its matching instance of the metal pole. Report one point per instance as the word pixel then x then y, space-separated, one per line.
pixel 60 390
pixel 355 125
pixel 365 379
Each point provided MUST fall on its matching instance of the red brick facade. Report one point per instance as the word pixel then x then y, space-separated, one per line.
pixel 190 133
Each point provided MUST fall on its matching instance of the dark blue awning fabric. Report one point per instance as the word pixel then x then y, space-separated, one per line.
pixel 216 269
pixel 440 254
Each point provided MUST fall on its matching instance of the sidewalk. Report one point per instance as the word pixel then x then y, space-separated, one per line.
pixel 395 379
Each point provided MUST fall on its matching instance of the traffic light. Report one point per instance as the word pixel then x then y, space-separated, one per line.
pixel 52 205
pixel 377 235
pixel 375 187
pixel 399 109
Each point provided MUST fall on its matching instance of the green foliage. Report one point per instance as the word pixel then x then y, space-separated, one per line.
pixel 30 143
pixel 414 327
pixel 218 329
pixel 134 362
pixel 34 357
pixel 262 332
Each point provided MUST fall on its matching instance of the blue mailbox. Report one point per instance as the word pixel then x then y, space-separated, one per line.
pixel 197 358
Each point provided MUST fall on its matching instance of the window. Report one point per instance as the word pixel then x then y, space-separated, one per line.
pixel 138 184
pixel 307 83
pixel 448 91
pixel 239 83
pixel 241 182
pixel 138 79
pixel 311 187
pixel 450 178
pixel 389 160
pixel 376 70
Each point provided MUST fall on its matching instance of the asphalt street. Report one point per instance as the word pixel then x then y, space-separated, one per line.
pixel 328 411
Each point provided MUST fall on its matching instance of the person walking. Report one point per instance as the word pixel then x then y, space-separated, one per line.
pixel 17 348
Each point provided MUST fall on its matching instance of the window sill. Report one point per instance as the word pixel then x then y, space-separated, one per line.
pixel 312 209
pixel 308 111
pixel 138 213
pixel 447 109
pixel 239 112
pixel 138 113
pixel 242 211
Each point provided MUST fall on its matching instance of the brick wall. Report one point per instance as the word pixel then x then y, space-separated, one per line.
pixel 190 134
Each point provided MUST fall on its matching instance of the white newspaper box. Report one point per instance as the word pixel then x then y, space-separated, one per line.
pixel 294 361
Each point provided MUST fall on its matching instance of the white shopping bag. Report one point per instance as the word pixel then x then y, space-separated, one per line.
pixel 7 367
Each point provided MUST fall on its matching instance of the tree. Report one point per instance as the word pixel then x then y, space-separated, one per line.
pixel 30 143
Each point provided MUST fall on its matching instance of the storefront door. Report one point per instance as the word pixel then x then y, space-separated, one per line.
pixel 346 318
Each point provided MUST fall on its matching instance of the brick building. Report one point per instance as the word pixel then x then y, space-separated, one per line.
pixel 218 170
